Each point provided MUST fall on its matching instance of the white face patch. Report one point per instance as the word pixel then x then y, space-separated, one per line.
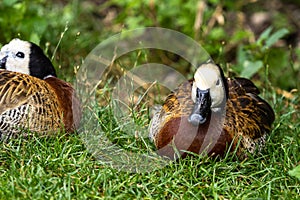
pixel 208 76
pixel 17 54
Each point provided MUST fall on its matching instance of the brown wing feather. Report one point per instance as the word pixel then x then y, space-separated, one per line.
pixel 17 90
pixel 242 85
pixel 179 101
pixel 255 115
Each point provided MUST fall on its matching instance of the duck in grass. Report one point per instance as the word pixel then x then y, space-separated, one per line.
pixel 31 96
pixel 212 114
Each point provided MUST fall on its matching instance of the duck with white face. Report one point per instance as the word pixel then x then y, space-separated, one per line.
pixel 26 58
pixel 32 97
pixel 15 56
pixel 210 115
pixel 209 92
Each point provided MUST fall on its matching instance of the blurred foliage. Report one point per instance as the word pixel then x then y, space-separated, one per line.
pixel 295 172
pixel 45 23
pixel 228 30
pixel 252 57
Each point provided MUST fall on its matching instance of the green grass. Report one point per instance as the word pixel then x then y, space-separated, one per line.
pixel 62 168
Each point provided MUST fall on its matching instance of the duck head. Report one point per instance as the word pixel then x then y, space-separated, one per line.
pixel 209 92
pixel 27 58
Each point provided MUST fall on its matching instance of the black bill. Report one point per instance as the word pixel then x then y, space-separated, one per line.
pixel 201 107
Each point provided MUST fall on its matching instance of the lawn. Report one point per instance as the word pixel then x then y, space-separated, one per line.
pixel 66 167
pixel 62 168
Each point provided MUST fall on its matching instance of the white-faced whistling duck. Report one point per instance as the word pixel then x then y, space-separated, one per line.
pixel 32 98
pixel 212 114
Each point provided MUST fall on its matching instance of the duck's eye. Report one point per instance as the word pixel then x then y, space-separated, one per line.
pixel 218 82
pixel 20 54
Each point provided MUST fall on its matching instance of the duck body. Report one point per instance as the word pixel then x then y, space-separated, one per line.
pixel 43 104
pixel 241 123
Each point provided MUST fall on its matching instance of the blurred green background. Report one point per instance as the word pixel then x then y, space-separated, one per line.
pixel 255 39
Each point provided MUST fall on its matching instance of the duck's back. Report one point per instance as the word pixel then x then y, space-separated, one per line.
pixel 248 116
pixel 27 103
